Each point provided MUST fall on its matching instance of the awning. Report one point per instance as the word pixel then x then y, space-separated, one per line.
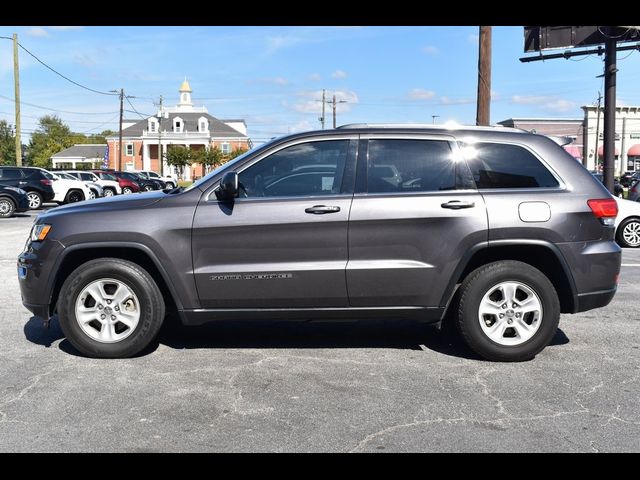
pixel 574 151
pixel 601 151
pixel 634 151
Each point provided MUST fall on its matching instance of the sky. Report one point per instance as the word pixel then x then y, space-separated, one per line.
pixel 273 77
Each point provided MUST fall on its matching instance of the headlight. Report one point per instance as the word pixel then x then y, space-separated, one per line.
pixel 39 232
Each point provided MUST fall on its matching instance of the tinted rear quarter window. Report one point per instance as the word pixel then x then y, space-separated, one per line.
pixel 404 166
pixel 10 173
pixel 497 165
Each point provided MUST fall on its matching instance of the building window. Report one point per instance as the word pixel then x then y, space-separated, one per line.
pixel 129 150
pixel 184 97
pixel 177 125
pixel 203 124
pixel 225 148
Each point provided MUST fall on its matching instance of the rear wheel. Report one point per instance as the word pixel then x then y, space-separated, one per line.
pixel 35 200
pixel 92 195
pixel 74 196
pixel 110 308
pixel 148 188
pixel 127 190
pixel 508 311
pixel 628 233
pixel 7 207
pixel 170 185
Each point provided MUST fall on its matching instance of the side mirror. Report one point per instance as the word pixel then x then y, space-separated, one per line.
pixel 228 186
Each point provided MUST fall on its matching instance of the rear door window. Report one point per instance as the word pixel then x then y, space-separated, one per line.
pixel 10 174
pixel 498 165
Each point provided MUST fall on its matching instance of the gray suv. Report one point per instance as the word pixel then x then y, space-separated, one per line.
pixel 493 229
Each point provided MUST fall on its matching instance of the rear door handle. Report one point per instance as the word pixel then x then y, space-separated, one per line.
pixel 321 209
pixel 457 204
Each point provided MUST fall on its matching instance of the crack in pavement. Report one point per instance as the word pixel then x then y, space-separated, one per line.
pixel 22 393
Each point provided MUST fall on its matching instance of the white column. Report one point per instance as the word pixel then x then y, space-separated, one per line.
pixel 146 157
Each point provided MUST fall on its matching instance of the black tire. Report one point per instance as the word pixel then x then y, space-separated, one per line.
pixel 109 192
pixel 74 196
pixel 148 188
pixel 152 308
pixel 7 207
pixel 481 281
pixel 632 226
pixel 35 200
pixel 170 185
pixel 127 190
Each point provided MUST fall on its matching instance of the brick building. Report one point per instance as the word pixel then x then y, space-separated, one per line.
pixel 184 124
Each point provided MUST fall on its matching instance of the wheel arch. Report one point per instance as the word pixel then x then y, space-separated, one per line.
pixel 540 254
pixel 140 254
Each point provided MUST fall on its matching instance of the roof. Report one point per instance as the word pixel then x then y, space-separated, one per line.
pixel 84 150
pixel 425 126
pixel 216 127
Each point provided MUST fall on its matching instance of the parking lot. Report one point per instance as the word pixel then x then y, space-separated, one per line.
pixel 340 387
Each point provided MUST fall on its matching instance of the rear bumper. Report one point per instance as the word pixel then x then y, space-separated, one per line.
pixel 591 300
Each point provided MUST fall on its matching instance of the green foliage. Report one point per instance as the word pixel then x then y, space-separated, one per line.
pixel 7 144
pixel 51 136
pixel 235 153
pixel 179 157
pixel 209 157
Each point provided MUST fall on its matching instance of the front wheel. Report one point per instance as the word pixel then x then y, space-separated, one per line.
pixel 74 196
pixel 6 207
pixel 127 190
pixel 170 185
pixel 628 233
pixel 508 311
pixel 110 308
pixel 148 188
pixel 109 192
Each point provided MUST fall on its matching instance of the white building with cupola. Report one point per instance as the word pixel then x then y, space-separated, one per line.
pixel 184 124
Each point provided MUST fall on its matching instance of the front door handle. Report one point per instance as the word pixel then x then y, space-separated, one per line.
pixel 321 209
pixel 457 204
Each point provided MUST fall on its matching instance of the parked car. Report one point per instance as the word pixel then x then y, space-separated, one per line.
pixel 95 190
pixel 626 179
pixel 634 191
pixel 127 185
pixel 144 184
pixel 109 187
pixel 68 190
pixel 169 181
pixel 12 200
pixel 36 182
pixel 490 238
pixel 628 223
pixel 617 187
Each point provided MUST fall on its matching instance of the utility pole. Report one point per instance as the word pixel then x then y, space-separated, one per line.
pixel 609 109
pixel 120 132
pixel 160 139
pixel 595 166
pixel 334 110
pixel 484 76
pixel 623 147
pixel 433 119
pixel 323 109
pixel 16 81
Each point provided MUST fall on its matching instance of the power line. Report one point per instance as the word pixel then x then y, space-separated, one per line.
pixel 58 73
pixel 134 108
pixel 56 110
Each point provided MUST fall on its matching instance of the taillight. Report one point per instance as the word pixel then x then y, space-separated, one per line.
pixel 605 209
pixel 46 181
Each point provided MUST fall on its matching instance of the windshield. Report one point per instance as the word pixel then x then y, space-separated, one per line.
pixel 108 176
pixel 229 164
pixel 47 175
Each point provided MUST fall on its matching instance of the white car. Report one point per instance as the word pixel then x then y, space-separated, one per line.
pixel 109 187
pixel 170 181
pixel 628 223
pixel 67 191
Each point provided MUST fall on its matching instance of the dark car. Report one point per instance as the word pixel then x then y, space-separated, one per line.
pixel 12 200
pixel 127 184
pixel 617 187
pixel 145 185
pixel 627 179
pixel 493 230
pixel 35 181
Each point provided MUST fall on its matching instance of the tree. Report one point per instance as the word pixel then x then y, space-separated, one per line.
pixel 209 157
pixel 7 144
pixel 179 157
pixel 235 153
pixel 51 136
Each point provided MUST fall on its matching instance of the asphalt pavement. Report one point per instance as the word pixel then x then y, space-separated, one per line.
pixel 310 387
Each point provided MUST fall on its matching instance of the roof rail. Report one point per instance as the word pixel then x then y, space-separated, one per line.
pixel 428 126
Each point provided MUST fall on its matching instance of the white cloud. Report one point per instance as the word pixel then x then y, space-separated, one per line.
pixel 431 50
pixel 421 94
pixel 339 74
pixel 37 32
pixel 84 59
pixel 315 77
pixel 473 38
pixel 311 101
pixel 276 81
pixel 456 101
pixel 545 102
pixel 281 41
pixel 301 126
